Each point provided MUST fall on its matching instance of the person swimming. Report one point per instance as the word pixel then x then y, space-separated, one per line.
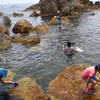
pixel 69 50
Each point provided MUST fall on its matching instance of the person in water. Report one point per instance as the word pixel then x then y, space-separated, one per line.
pixel 3 74
pixel 60 23
pixel 69 50
pixel 59 13
pixel 89 75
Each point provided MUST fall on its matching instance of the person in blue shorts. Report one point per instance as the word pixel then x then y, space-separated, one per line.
pixel 3 74
pixel 89 75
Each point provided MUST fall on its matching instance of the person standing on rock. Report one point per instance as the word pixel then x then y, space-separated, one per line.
pixel 59 13
pixel 3 74
pixel 69 50
pixel 89 75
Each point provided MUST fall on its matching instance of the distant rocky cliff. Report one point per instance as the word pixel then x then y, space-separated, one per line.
pixel 67 7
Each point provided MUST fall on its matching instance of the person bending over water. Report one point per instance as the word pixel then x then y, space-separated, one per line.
pixel 89 75
pixel 3 74
pixel 69 50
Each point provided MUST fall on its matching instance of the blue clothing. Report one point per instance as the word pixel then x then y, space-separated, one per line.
pixel 91 79
pixel 3 73
pixel 59 21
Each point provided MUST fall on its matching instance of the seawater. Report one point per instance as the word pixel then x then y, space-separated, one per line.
pixel 46 60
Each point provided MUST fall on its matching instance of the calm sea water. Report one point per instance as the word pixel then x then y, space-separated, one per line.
pixel 45 61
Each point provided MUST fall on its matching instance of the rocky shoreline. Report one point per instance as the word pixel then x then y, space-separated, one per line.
pixel 67 85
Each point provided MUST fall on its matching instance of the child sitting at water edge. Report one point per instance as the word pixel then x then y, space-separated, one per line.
pixel 69 50
pixel 89 75
pixel 3 74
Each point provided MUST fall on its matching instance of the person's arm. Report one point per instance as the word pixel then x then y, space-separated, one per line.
pixel 75 50
pixel 87 83
pixel 63 47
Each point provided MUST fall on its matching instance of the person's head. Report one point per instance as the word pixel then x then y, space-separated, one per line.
pixel 58 18
pixel 58 11
pixel 97 67
pixel 69 44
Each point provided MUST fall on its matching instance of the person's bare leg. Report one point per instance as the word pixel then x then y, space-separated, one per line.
pixel 6 82
pixel 93 85
pixel 97 80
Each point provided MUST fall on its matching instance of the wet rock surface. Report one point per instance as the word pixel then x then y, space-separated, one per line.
pixel 69 85
pixel 27 89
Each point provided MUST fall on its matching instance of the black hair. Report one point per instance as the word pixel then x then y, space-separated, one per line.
pixel 69 44
pixel 97 67
pixel 58 18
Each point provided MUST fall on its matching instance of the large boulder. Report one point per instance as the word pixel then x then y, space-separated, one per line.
pixel 54 21
pixel 22 26
pixel 31 40
pixel 66 6
pixel 5 41
pixel 4 29
pixel 7 21
pixel 48 8
pixel 27 89
pixel 69 85
pixel 41 29
pixel 25 40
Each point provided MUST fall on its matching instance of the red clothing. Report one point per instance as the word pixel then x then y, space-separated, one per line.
pixel 89 72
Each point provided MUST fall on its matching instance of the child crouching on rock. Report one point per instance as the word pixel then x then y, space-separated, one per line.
pixel 89 75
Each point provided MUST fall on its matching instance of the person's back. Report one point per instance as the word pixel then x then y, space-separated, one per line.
pixel 59 21
pixel 69 50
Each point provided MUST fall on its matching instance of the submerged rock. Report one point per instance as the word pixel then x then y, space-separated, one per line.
pixel 18 14
pixel 31 40
pixel 27 89
pixel 69 85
